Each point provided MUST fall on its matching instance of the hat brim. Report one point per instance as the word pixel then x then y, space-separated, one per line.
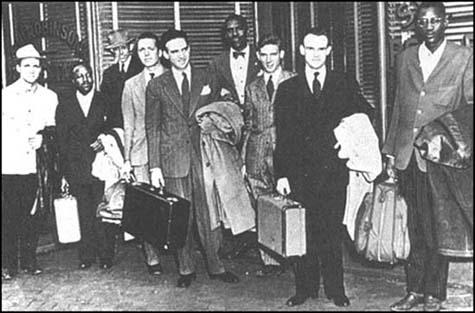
pixel 119 44
pixel 31 57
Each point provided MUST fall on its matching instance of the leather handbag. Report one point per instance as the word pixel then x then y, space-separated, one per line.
pixel 67 219
pixel 381 225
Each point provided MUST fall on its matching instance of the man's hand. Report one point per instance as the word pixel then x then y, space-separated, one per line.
pixel 390 168
pixel 35 141
pixel 283 186
pixel 64 185
pixel 156 177
pixel 126 170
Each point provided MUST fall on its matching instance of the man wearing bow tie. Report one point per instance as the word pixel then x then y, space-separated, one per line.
pixel 235 68
pixel 114 77
pixel 306 165
pixel 230 73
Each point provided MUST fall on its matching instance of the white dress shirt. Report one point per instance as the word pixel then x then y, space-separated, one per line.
pixel 126 64
pixel 85 101
pixel 275 77
pixel 178 75
pixel 310 75
pixel 25 111
pixel 429 60
pixel 239 71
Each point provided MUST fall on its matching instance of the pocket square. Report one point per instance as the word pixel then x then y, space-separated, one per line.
pixel 205 91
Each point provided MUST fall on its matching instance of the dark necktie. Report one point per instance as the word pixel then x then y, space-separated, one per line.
pixel 122 67
pixel 317 88
pixel 185 94
pixel 152 75
pixel 270 88
pixel 237 54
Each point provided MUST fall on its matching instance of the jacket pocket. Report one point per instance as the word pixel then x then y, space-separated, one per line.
pixel 444 96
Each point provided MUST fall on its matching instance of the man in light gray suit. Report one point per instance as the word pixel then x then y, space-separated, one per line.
pixel 173 138
pixel 133 112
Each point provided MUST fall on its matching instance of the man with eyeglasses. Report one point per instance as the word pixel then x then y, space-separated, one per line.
pixel 433 79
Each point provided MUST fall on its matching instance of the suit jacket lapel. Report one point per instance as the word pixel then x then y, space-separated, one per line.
pixel 171 89
pixel 445 58
pixel 226 70
pixel 196 85
pixel 414 67
pixel 93 109
pixel 261 88
pixel 252 69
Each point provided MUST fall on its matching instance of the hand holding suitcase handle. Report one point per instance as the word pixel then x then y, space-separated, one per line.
pixel 283 186
pixel 156 178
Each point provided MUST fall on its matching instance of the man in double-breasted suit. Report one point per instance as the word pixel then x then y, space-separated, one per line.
pixel 173 137
pixel 308 107
pixel 80 118
pixel 236 67
pixel 434 79
pixel 259 131
pixel 135 139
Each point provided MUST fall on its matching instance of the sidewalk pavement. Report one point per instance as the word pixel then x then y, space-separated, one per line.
pixel 128 286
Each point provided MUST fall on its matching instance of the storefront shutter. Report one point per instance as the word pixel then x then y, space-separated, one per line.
pixel 460 27
pixel 365 68
pixel 61 56
pixel 201 20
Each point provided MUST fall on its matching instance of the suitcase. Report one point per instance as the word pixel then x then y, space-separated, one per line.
pixel 67 219
pixel 155 215
pixel 281 226
pixel 381 225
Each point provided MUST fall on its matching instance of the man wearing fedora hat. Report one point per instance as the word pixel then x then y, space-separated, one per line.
pixel 126 65
pixel 27 108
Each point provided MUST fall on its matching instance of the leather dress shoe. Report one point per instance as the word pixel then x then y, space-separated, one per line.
pixel 33 270
pixel 155 269
pixel 410 301
pixel 298 299
pixel 270 270
pixel 340 300
pixel 105 264
pixel 7 274
pixel 184 281
pixel 85 265
pixel 226 277
pixel 432 304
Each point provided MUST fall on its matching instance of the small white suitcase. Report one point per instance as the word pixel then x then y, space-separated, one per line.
pixel 67 219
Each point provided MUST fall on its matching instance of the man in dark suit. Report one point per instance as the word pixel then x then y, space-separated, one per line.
pixel 434 79
pixel 173 137
pixel 236 67
pixel 308 107
pixel 80 118
pixel 126 66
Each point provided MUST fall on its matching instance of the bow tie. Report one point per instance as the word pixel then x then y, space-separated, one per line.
pixel 237 54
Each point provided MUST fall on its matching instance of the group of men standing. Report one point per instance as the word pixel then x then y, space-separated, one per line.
pixel 288 144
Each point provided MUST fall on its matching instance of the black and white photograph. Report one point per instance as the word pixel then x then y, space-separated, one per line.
pixel 237 156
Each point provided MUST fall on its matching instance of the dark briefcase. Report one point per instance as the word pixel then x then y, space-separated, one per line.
pixel 281 225
pixel 155 215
